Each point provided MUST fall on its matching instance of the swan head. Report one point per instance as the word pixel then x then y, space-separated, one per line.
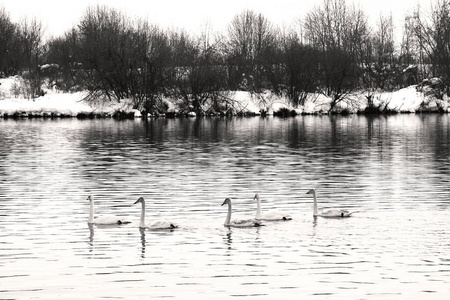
pixel 311 191
pixel 89 198
pixel 256 196
pixel 140 200
pixel 227 201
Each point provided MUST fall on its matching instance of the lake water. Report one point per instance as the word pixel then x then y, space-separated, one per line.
pixel 394 171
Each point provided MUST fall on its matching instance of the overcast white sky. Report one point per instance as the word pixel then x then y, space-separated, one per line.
pixel 60 15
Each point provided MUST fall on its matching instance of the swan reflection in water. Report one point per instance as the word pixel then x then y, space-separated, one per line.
pixel 158 233
pixel 228 239
pixel 92 228
pixel 142 230
pixel 91 237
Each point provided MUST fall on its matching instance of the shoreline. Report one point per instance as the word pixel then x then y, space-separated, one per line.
pixel 57 104
pixel 22 115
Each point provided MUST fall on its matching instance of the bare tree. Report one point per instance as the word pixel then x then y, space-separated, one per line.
pixel 433 36
pixel 251 39
pixel 337 31
pixel 21 51
pixel 9 62
pixel 301 64
pixel 63 53
pixel 31 51
pixel 149 66
pixel 379 60
pixel 124 59
pixel 200 72
pixel 104 43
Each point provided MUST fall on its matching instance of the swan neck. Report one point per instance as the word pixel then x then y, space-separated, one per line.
pixel 91 212
pixel 316 212
pixel 228 218
pixel 142 221
pixel 258 208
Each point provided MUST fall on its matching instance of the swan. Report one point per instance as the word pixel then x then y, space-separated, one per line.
pixel 238 223
pixel 155 225
pixel 103 220
pixel 269 216
pixel 333 213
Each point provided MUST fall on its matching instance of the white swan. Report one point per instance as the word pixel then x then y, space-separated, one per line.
pixel 271 215
pixel 155 225
pixel 105 219
pixel 332 213
pixel 238 223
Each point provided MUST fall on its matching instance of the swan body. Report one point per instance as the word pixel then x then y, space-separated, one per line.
pixel 238 223
pixel 269 216
pixel 332 213
pixel 155 225
pixel 105 219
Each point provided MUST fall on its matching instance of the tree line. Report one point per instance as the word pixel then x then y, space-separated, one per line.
pixel 332 51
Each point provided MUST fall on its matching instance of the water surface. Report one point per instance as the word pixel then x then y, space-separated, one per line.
pixel 392 170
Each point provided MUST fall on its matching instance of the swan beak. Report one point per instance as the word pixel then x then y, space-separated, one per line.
pixel 137 201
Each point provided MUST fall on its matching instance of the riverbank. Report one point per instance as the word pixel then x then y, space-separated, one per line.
pixel 56 104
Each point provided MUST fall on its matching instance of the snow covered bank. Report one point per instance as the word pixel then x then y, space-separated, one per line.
pixel 407 100
pixel 411 100
pixel 57 104
pixel 53 104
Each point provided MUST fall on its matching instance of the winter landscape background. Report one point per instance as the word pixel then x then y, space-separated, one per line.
pixel 335 59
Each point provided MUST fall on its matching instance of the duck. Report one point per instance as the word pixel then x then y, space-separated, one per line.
pixel 158 225
pixel 332 213
pixel 105 219
pixel 271 215
pixel 238 223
